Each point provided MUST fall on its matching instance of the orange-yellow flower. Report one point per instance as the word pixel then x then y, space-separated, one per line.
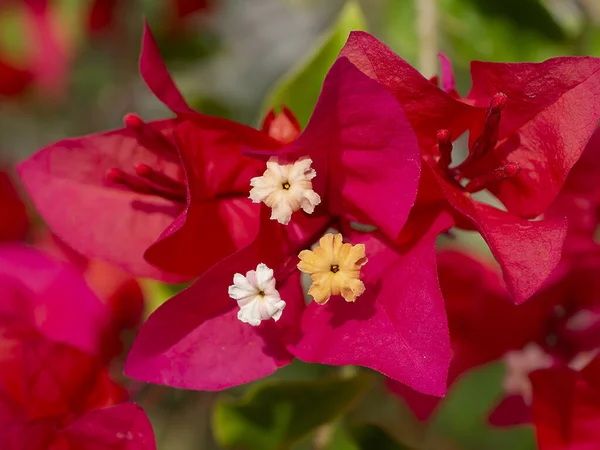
pixel 334 268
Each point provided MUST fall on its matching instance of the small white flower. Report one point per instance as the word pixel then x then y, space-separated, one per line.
pixel 286 188
pixel 256 296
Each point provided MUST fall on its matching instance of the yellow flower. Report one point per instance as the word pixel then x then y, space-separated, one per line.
pixel 334 268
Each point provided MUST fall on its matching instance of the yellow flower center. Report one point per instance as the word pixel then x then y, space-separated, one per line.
pixel 334 268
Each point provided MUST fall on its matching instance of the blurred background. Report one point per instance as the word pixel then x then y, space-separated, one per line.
pixel 69 67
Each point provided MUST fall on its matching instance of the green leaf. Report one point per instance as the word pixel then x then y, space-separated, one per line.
pixel 157 293
pixel 523 14
pixel 370 436
pixel 399 30
pixel 299 89
pixel 273 415
pixel 467 34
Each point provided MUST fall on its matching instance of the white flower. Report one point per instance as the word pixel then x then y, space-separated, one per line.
pixel 256 296
pixel 286 188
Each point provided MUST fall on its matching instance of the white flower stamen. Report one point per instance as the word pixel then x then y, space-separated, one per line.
pixel 256 296
pixel 286 188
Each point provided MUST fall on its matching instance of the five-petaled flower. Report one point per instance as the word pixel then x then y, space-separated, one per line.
pixel 334 268
pixel 286 188
pixel 257 296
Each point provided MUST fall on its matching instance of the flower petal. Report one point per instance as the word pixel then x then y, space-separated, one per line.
pixel 55 299
pixel 558 99
pixel 67 183
pixel 397 327
pixel 363 149
pixel 123 426
pixel 157 77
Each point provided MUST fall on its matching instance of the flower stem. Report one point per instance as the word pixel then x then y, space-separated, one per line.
pixel 428 36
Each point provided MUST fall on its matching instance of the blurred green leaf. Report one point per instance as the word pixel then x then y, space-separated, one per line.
pixel 13 44
pixel 524 14
pixel 299 89
pixel 466 35
pixel 370 436
pixel 398 29
pixel 190 47
pixel 157 293
pixel 273 415
pixel 211 106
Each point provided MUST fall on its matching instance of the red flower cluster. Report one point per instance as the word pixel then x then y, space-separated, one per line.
pixel 356 200
pixel 56 392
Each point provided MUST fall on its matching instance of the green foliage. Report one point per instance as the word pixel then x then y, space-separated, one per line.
pixel 529 15
pixel 370 436
pixel 299 89
pixel 398 29
pixel 469 35
pixel 273 415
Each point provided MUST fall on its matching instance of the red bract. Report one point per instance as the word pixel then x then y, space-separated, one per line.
pixel 14 221
pixel 106 210
pixel 55 392
pixel 579 199
pixel 522 146
pixel 58 302
pixel 116 288
pixel 138 193
pixel 566 407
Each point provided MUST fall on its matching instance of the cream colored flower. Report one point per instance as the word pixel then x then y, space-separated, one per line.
pixel 334 268
pixel 285 188
pixel 256 296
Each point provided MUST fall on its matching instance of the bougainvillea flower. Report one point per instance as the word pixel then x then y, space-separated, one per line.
pixel 366 161
pixel 566 407
pixel 508 114
pixel 14 221
pixel 257 296
pixel 286 188
pixel 348 140
pixel 334 268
